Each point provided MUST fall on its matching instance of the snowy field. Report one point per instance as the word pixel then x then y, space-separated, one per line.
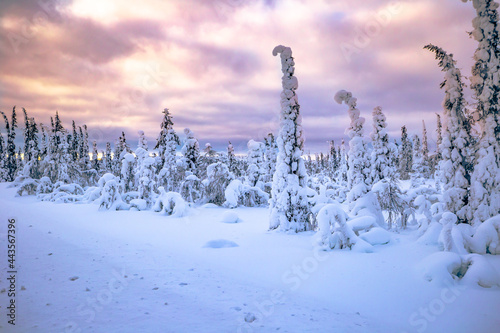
pixel 81 270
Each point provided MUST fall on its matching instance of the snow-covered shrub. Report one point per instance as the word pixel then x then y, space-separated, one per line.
pixel 333 231
pixel 28 187
pixel 44 186
pixel 170 203
pixel 486 237
pixel 423 207
pixel 477 270
pixel 138 204
pixel 218 179
pixel 192 189
pixel 63 193
pixel 111 193
pixel 368 205
pixel 239 194
pixel 453 237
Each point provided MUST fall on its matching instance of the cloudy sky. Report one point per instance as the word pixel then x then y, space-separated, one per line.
pixel 115 64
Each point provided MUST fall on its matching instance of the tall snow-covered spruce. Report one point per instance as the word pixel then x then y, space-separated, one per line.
pixel 166 144
pixel 485 182
pixel 289 207
pixel 381 162
pixel 357 174
pixel 455 168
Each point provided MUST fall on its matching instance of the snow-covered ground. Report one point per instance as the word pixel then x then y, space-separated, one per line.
pixel 84 270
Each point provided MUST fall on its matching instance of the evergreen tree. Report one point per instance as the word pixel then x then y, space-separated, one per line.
pixel 381 166
pixel 231 160
pixel 218 178
pixel 289 207
pixel 83 149
pixel 108 158
pixel 191 151
pixel 10 128
pixel 145 177
pixel 455 167
pixel 417 165
pixel 270 155
pixel 2 158
pixel 31 149
pixel 96 163
pixel 426 163
pixel 342 172
pixel 485 191
pixel 255 158
pixel 357 173
pixel 166 144
pixel 143 142
pixel 74 143
pixel 333 162
pixel 405 155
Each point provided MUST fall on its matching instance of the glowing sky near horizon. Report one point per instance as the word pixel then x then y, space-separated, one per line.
pixel 115 64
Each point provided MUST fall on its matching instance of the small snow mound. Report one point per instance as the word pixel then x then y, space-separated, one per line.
pixel 431 235
pixel 220 243
pixel 209 206
pixel 230 217
pixel 480 272
pixel 362 223
pixel 377 236
pixel 440 267
pixel 139 204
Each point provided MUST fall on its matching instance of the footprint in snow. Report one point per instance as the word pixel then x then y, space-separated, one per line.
pixel 220 243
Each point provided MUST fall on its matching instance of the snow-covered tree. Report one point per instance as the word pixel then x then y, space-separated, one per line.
pixel 84 148
pixel 143 142
pixel 255 158
pixel 333 160
pixel 357 173
pixel 96 163
pixel 455 167
pixel 405 155
pixel 381 166
pixel 485 182
pixel 231 160
pixel 342 172
pixel 191 151
pixel 108 158
pixel 270 155
pixel 166 144
pixel 417 171
pixel 2 158
pixel 289 207
pixel 31 149
pixel 10 163
pixel 127 173
pixel 121 148
pixel 218 178
pixel 426 163
pixel 145 179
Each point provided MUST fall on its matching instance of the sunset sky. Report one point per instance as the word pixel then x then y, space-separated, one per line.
pixel 115 64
